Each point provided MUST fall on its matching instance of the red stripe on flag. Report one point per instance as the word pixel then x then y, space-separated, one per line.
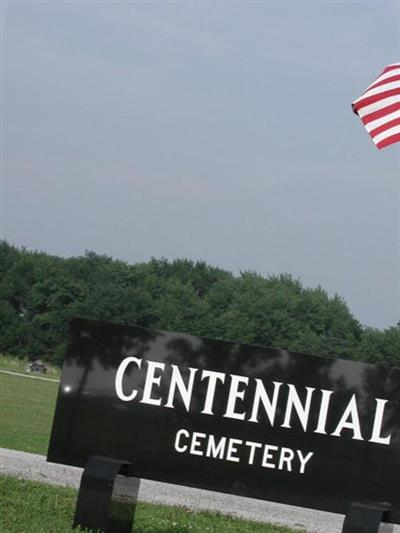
pixel 389 68
pixel 384 127
pixel 389 140
pixel 383 82
pixel 381 113
pixel 375 98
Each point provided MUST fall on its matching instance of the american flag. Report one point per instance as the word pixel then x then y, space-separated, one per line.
pixel 379 107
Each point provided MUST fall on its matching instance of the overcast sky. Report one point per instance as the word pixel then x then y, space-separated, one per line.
pixel 216 131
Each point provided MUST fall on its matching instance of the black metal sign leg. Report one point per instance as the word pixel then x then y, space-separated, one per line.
pixel 100 505
pixel 366 518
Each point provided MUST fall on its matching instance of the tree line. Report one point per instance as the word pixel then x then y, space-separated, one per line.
pixel 39 293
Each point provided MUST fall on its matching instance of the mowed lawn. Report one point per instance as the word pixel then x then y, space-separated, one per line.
pixel 26 413
pixel 29 507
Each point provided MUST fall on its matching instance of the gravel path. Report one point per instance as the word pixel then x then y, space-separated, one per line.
pixel 34 467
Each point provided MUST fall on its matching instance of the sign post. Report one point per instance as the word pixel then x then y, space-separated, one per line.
pixel 260 422
pixel 98 507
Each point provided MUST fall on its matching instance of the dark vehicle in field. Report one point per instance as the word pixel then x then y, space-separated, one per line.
pixel 37 366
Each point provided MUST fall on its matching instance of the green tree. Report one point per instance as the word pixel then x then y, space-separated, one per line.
pixel 40 293
pixel 380 346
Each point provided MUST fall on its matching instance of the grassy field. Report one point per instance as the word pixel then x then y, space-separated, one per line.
pixel 16 364
pixel 26 413
pixel 29 507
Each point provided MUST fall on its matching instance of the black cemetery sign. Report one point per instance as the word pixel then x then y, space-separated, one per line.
pixel 259 422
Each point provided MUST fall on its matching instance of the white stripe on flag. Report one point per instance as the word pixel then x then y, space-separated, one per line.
pixel 385 134
pixel 378 90
pixel 389 74
pixel 380 104
pixel 381 121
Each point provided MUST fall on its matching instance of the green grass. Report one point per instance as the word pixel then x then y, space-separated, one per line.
pixel 26 413
pixel 16 364
pixel 29 507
